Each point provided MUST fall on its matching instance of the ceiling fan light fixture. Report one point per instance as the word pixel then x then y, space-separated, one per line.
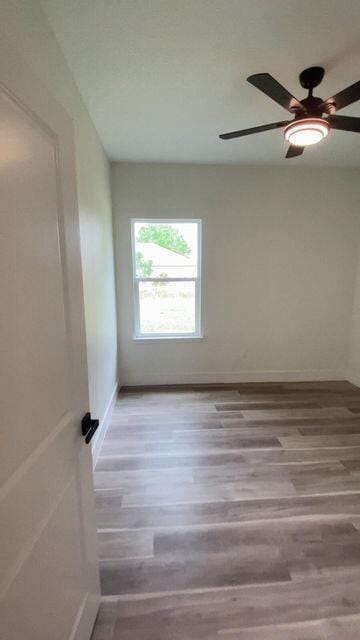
pixel 306 131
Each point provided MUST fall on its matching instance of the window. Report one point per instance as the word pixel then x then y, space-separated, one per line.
pixel 166 270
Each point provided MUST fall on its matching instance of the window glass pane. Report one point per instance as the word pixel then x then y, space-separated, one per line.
pixel 166 250
pixel 167 307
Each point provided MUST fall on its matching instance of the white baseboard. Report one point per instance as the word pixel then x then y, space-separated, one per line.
pixel 353 377
pixel 305 375
pixel 101 431
pixel 86 617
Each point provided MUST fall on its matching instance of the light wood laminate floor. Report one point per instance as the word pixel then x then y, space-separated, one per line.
pixel 231 513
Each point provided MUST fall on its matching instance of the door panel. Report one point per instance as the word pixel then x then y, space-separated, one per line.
pixel 43 598
pixel 45 478
pixel 49 585
pixel 36 351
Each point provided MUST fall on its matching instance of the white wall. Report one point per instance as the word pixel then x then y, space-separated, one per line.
pixel 353 370
pixel 279 262
pixel 26 28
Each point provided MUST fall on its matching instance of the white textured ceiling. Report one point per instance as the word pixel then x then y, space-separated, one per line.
pixel 162 78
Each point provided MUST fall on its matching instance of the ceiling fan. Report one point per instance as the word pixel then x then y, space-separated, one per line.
pixel 309 125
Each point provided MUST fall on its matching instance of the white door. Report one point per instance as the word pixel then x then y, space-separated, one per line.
pixel 49 581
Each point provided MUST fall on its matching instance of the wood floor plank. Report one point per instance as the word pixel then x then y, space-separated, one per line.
pixel 314 473
pixel 112 514
pixel 130 481
pixel 338 440
pixel 210 492
pixel 346 628
pixel 124 447
pixel 293 538
pixel 321 412
pixel 227 433
pixel 126 544
pixel 212 458
pixel 255 406
pixel 231 512
pixel 206 571
pixel 203 615
pixel 330 429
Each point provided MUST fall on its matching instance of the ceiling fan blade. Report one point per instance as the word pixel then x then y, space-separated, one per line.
pixel 344 123
pixel 248 132
pixel 344 98
pixel 294 151
pixel 272 88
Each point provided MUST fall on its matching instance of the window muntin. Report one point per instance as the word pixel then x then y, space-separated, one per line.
pixel 166 270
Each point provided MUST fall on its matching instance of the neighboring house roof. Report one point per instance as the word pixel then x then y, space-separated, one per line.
pixel 166 261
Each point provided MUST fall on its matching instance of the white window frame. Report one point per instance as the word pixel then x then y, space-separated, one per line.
pixel 197 334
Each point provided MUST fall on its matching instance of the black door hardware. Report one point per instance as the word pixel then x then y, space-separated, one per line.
pixel 88 427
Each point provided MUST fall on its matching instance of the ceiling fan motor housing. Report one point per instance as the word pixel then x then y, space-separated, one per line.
pixel 314 107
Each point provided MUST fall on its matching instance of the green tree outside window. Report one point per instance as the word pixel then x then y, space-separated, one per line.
pixel 164 236
pixel 143 267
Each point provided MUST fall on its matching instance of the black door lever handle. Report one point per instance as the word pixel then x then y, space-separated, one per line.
pixel 88 427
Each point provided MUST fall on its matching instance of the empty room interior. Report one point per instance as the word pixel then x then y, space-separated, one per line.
pixel 180 320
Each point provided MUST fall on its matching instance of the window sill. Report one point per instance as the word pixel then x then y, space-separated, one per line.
pixel 166 338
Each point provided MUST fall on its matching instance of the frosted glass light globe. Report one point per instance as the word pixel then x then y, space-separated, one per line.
pixel 307 131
